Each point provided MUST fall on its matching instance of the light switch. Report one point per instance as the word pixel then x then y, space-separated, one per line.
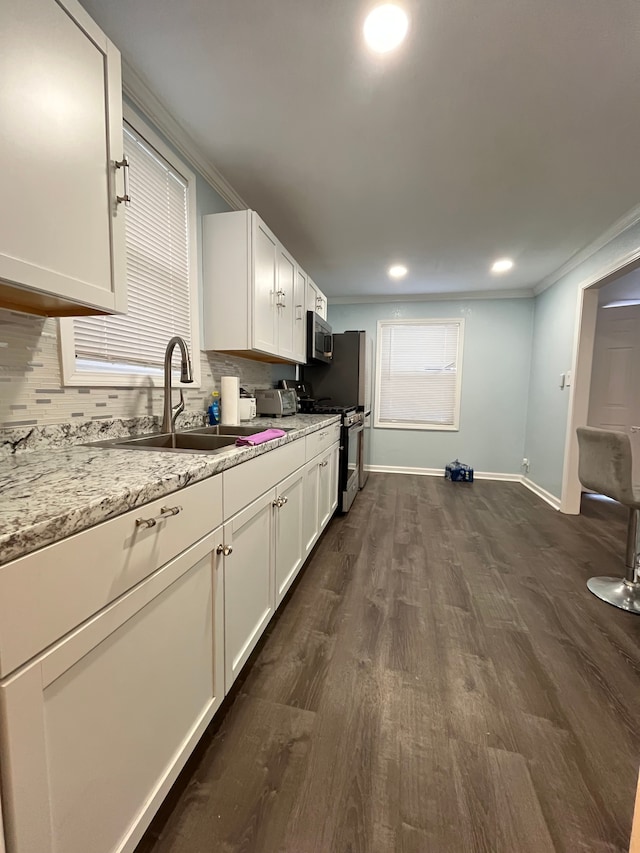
pixel 562 380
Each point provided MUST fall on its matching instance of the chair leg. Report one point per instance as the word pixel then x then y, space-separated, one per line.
pixel 624 593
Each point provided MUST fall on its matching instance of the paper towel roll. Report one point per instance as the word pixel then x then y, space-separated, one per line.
pixel 230 399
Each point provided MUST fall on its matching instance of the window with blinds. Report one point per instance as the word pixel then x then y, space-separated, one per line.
pixel 158 273
pixel 419 373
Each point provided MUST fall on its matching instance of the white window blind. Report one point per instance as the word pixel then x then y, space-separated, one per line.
pixel 419 373
pixel 159 298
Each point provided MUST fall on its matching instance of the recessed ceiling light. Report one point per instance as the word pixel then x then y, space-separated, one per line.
pixel 397 271
pixel 385 27
pixel 502 265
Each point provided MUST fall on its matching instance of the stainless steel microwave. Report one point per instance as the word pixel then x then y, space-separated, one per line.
pixel 319 339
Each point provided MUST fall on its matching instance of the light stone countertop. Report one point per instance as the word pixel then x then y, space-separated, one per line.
pixel 49 494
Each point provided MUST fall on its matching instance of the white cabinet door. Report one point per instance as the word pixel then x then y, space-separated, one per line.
pixel 265 267
pixel 316 300
pixel 285 302
pixel 333 483
pixel 248 581
pixel 61 229
pixel 312 295
pixel 327 485
pixel 300 316
pixel 95 731
pixel 310 516
pixel 321 305
pixel 289 533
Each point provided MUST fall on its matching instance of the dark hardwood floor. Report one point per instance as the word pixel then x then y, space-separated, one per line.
pixel 439 681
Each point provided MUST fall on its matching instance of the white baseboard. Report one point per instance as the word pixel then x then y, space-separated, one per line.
pixel 546 496
pixel 439 472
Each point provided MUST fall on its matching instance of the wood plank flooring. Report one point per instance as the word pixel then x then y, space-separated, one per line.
pixel 440 679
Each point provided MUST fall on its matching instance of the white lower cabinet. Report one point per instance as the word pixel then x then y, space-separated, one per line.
pixel 310 518
pixel 95 726
pixel 320 494
pixel 327 485
pixel 249 599
pixel 289 537
pixel 96 729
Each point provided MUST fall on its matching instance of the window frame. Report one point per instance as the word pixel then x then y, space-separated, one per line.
pixel 431 321
pixel 144 376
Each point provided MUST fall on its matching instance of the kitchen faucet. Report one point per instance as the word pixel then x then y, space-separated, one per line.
pixel 186 375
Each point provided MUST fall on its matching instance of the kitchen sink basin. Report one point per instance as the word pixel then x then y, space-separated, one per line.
pixel 176 442
pixel 231 430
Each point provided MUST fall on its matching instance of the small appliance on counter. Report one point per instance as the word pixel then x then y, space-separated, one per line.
pixel 304 395
pixel 277 402
pixel 247 408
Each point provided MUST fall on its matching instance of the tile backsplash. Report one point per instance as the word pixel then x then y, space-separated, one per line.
pixel 31 390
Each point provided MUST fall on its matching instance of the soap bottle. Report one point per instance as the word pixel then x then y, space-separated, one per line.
pixel 214 409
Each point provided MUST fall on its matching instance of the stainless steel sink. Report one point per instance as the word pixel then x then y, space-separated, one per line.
pixel 211 439
pixel 231 430
pixel 177 442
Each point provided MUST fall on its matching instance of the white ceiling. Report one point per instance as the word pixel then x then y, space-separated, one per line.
pixel 501 127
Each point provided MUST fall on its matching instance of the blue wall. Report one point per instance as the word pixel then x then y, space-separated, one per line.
pixel 552 352
pixel 495 377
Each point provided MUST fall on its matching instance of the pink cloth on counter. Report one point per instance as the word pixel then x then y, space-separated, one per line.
pixel 260 437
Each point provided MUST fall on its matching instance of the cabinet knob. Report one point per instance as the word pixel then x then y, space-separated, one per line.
pixel 225 550
pixel 324 464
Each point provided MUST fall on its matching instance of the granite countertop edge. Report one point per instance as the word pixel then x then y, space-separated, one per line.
pixel 74 478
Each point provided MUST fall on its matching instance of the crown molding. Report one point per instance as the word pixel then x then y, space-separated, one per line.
pixel 137 90
pixel 524 293
pixel 631 218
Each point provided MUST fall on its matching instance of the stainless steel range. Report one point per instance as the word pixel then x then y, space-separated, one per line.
pixel 350 451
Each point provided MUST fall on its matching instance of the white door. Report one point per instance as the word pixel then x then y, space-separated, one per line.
pixel 310 529
pixel 248 581
pixel 289 517
pixel 61 230
pixel 265 313
pixel 614 402
pixel 300 317
pixel 96 730
pixel 285 301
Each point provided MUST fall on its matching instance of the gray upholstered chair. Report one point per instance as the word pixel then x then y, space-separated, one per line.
pixel 605 466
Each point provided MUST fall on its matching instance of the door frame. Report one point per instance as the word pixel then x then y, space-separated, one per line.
pixel 582 361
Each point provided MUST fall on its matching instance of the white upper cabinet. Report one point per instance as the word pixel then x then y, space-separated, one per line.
pixel 316 300
pixel 285 307
pixel 300 316
pixel 254 291
pixel 61 228
pixel 265 256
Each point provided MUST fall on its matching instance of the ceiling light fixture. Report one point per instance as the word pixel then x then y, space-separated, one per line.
pixel 502 265
pixel 397 271
pixel 385 27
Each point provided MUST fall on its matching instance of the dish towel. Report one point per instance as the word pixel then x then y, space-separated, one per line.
pixel 259 437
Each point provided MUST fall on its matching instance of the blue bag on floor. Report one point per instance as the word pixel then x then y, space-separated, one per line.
pixel 458 472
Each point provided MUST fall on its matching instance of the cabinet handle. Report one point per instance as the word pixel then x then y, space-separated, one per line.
pixel 324 464
pixel 225 550
pixel 126 198
pixel 299 312
pixel 277 503
pixel 170 510
pixel 165 512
